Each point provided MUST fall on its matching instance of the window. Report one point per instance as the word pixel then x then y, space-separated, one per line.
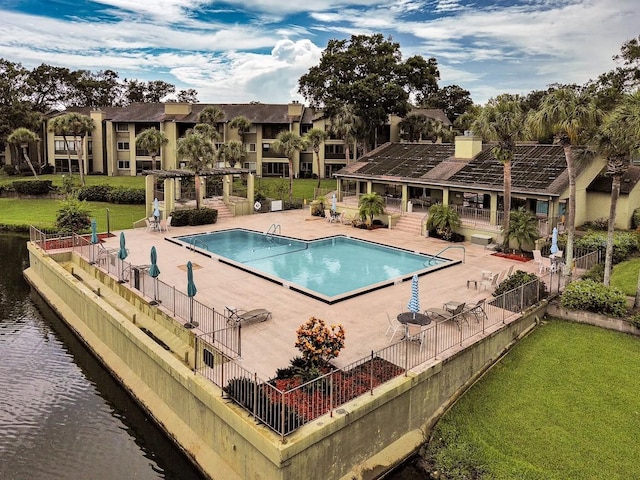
pixel 123 165
pixel 123 146
pixel 60 146
pixel 122 127
pixel 266 147
pixel 250 147
pixel 304 128
pixel 90 146
pixel 272 130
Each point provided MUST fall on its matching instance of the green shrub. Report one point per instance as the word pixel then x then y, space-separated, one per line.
pixel 635 219
pixel 635 319
pixel 9 170
pixel 127 195
pixel 95 193
pixel 203 216
pixel 73 216
pixel 595 273
pixel 624 243
pixel 32 187
pixel 513 300
pixel 594 297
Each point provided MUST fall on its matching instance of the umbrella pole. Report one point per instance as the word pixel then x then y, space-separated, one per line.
pixel 195 324
pixel 155 292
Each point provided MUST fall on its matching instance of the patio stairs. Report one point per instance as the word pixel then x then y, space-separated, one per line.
pixel 410 223
pixel 218 204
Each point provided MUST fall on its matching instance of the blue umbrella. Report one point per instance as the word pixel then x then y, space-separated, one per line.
pixel 191 292
pixel 94 231
pixel 154 271
pixel 554 241
pixel 414 301
pixel 122 254
pixel 156 209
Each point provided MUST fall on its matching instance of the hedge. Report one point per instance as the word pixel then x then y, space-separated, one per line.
pixel 203 216
pixel 594 297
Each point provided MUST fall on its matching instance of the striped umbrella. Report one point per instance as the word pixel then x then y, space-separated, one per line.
pixel 414 301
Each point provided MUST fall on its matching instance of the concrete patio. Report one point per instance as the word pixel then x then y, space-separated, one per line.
pixel 269 345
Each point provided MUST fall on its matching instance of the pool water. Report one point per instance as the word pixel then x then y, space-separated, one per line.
pixel 330 269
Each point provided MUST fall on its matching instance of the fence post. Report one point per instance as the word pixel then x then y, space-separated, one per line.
pixel 406 356
pixel 239 340
pixel 331 394
pixel 281 412
pixel 371 372
pixel 255 394
pixel 195 357
pixel 174 300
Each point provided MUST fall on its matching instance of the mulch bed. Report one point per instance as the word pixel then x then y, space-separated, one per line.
pixel 513 256
pixel 67 242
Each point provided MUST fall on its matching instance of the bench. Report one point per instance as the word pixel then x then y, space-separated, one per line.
pixel 479 239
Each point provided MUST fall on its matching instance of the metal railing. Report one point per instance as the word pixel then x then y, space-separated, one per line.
pixel 282 404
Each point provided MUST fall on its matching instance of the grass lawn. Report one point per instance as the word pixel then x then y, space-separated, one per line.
pixel 42 213
pixel 563 404
pixel 624 276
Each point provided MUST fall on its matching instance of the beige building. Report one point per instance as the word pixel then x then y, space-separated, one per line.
pixel 111 149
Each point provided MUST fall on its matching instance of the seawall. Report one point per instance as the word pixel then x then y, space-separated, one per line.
pixel 363 439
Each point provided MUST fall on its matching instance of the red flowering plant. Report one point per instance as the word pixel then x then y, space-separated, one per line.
pixel 318 342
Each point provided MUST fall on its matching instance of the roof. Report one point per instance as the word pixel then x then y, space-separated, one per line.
pixel 536 169
pixel 602 183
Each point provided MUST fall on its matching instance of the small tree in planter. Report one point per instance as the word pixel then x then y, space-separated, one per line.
pixel 318 342
pixel 444 220
pixel 523 228
pixel 370 205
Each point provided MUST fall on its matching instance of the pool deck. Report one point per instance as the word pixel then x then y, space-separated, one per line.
pixel 269 345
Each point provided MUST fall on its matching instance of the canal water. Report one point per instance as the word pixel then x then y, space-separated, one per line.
pixel 62 416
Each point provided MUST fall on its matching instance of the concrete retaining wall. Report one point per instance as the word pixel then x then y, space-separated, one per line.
pixel 363 439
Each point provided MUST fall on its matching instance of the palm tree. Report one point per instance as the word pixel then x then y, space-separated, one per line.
pixel 210 115
pixel 617 140
pixel 414 127
pixel 199 152
pixel 22 137
pixel 370 205
pixel 523 227
pixel 79 126
pixel 502 120
pixel 242 125
pixel 60 126
pixel 233 152
pixel 569 114
pixel 343 126
pixel 444 220
pixel 152 141
pixel 316 137
pixel 288 143
pixel 435 130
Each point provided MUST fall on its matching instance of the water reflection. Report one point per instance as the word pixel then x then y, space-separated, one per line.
pixel 61 414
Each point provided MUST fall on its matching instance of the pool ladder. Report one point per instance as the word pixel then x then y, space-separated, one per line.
pixel 431 262
pixel 273 229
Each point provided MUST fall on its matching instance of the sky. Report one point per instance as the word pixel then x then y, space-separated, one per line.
pixel 238 51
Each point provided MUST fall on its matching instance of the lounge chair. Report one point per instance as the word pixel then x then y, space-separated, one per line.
pixel 444 313
pixel 491 283
pixel 237 316
pixel 415 333
pixel 477 310
pixel 165 225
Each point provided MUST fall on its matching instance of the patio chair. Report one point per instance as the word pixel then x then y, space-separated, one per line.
pixel 165 225
pixel 544 263
pixel 237 316
pixel 491 282
pixel 147 222
pixel 394 326
pixel 415 333
pixel 477 310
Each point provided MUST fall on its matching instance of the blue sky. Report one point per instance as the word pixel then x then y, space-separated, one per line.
pixel 240 51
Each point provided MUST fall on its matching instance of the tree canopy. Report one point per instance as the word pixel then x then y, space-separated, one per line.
pixel 367 73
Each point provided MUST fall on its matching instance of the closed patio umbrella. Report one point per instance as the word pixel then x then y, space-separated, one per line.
pixel 333 203
pixel 156 210
pixel 414 301
pixel 191 292
pixel 122 254
pixel 154 271
pixel 94 237
pixel 554 241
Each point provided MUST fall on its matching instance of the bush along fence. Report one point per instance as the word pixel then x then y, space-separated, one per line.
pixel 289 401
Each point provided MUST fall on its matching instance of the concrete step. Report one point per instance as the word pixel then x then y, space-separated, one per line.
pixel 409 223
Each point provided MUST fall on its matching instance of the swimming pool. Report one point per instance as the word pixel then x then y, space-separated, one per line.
pixel 329 269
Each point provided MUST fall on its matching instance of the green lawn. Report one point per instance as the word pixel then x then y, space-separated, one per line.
pixel 624 276
pixel 563 404
pixel 42 213
pixel 133 182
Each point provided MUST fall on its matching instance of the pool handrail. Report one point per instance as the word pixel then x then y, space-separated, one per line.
pixel 464 253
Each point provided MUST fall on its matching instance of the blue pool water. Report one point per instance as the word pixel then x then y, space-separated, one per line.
pixel 330 269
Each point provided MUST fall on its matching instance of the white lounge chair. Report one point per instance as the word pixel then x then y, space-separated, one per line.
pixel 393 327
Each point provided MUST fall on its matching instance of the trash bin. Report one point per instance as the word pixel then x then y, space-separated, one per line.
pixel 409 206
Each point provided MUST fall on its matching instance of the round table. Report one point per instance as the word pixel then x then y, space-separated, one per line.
pixel 417 318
